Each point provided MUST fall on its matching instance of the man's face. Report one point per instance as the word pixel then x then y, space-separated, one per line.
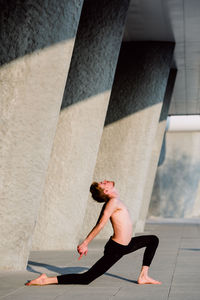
pixel 106 185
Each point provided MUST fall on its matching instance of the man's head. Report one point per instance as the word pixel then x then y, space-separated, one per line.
pixel 102 191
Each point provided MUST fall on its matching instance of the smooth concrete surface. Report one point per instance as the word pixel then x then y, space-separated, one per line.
pixel 176 264
pixel 131 123
pixel 80 124
pixel 36 48
pixel 176 192
pixel 151 173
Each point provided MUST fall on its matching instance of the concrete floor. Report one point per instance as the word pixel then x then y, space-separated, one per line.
pixel 176 264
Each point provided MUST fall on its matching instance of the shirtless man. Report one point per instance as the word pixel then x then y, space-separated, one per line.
pixel 121 243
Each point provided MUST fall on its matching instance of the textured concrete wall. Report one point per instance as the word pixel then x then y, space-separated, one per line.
pixel 131 123
pixel 80 124
pixel 176 187
pixel 150 176
pixel 37 39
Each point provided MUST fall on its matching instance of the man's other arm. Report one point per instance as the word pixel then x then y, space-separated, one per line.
pixel 105 215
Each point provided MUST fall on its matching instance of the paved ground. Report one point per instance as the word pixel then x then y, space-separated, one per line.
pixel 177 265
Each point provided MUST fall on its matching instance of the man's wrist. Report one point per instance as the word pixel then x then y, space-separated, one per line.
pixel 85 243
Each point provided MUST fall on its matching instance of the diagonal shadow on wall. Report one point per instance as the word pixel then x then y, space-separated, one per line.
pixel 28 26
pixel 96 50
pixel 133 86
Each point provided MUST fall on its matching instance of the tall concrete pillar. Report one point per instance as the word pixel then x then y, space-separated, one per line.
pixel 176 187
pixel 131 122
pixel 150 177
pixel 80 124
pixel 37 39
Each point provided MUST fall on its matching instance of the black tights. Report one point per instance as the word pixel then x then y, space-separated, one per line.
pixel 112 253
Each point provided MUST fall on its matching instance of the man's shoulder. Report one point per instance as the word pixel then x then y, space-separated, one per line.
pixel 114 202
pixel 110 202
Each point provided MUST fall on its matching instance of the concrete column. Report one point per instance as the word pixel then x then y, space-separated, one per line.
pixel 37 39
pixel 196 206
pixel 80 124
pixel 176 187
pixel 131 122
pixel 150 177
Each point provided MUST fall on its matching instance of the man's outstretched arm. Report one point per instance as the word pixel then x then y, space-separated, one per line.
pixel 105 214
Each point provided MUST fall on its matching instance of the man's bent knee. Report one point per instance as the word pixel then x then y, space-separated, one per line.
pixel 155 240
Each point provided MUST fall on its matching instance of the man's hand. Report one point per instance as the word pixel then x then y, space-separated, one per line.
pixel 82 249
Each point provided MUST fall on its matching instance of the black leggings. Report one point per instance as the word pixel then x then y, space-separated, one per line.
pixel 112 253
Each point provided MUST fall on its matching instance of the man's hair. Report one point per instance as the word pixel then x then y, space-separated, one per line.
pixel 98 193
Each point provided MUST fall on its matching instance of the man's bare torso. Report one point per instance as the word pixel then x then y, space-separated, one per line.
pixel 121 223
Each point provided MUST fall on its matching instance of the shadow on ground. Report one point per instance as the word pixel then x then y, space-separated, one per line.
pixel 191 249
pixel 67 270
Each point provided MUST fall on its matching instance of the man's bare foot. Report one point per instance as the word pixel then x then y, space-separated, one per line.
pixel 147 280
pixel 41 280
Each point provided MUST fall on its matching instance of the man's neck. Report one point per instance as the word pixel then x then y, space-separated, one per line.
pixel 114 195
